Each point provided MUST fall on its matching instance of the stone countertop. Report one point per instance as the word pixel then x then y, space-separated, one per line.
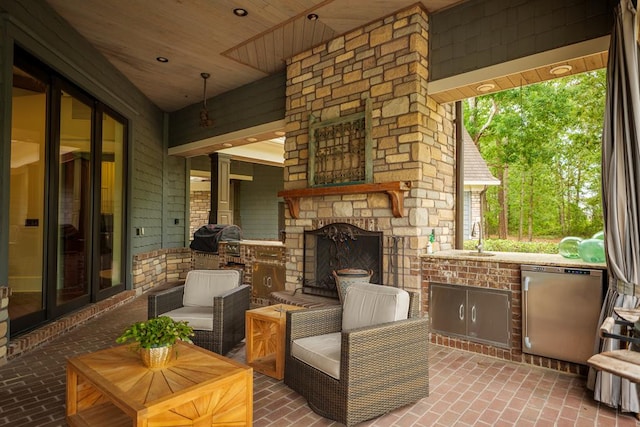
pixel 516 258
pixel 276 243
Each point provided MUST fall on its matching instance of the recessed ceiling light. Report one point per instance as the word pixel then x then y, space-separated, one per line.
pixel 560 69
pixel 486 87
pixel 280 133
pixel 227 144
pixel 162 59
pixel 240 11
pixel 252 139
pixel 312 17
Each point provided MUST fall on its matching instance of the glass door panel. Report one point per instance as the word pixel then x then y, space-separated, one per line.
pixel 26 211
pixel 111 202
pixel 74 200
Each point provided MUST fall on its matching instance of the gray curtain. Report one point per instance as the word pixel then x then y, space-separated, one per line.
pixel 620 184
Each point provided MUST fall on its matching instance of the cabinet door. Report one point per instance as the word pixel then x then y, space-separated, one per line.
pixel 267 278
pixel 489 316
pixel 447 309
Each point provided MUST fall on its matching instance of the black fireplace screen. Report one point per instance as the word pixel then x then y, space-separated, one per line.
pixel 338 246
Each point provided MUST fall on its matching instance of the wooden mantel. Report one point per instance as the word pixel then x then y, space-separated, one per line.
pixel 395 190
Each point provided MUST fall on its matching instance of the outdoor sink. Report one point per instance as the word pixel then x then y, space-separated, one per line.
pixel 475 253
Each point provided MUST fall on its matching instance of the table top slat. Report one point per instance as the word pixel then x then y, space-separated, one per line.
pixel 624 363
pixel 629 314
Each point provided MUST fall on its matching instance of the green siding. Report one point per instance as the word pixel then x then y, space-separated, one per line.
pixel 259 203
pixel 479 33
pixel 256 103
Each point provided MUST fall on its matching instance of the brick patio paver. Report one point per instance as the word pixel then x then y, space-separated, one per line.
pixel 467 389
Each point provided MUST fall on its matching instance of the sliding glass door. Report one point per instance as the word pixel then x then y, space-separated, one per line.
pixel 111 202
pixel 27 196
pixel 73 247
pixel 67 197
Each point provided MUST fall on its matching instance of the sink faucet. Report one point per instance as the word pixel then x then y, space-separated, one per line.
pixel 476 230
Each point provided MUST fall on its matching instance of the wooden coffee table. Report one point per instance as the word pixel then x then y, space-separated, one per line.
pixel 266 327
pixel 113 388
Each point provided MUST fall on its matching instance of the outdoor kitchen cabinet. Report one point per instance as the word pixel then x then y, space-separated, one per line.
pixel 476 314
pixel 267 278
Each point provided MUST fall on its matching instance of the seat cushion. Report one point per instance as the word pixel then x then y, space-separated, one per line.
pixel 200 318
pixel 368 305
pixel 320 351
pixel 201 286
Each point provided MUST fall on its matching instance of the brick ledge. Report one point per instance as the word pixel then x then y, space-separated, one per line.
pixel 46 333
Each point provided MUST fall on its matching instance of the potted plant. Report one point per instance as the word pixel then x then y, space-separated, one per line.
pixel 155 338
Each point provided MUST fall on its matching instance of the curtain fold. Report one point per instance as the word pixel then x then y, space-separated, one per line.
pixel 620 184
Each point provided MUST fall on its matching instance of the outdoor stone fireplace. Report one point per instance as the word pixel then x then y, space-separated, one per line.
pixel 405 148
pixel 339 246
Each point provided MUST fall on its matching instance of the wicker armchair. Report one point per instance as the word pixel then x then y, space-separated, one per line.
pixel 213 301
pixel 381 367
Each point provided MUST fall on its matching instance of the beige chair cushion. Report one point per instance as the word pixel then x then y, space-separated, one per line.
pixel 200 318
pixel 368 305
pixel 201 286
pixel 320 351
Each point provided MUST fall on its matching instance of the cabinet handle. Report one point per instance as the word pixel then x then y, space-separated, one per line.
pixel 268 284
pixel 461 312
pixel 525 310
pixel 473 314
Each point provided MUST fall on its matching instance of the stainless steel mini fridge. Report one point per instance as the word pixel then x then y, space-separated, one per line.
pixel 560 311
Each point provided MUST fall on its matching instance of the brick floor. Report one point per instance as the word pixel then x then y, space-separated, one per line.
pixel 467 389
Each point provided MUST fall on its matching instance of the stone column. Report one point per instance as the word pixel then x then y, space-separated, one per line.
pixel 387 63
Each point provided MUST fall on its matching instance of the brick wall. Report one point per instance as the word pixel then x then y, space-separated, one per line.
pixel 385 61
pixel 494 275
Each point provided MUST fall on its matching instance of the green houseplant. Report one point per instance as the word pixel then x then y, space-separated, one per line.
pixel 155 338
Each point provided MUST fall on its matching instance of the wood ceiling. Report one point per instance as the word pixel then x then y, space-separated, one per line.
pixel 538 74
pixel 205 36
pixel 199 36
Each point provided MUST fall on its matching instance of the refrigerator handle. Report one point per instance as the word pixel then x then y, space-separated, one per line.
pixel 525 302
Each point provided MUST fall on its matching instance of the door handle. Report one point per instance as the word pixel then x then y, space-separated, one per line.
pixel 461 312
pixel 525 305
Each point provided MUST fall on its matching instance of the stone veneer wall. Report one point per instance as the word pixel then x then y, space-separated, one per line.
pixel 385 61
pixel 5 292
pixel 155 268
pixel 494 275
pixel 199 207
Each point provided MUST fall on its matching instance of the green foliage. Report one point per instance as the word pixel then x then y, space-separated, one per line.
pixel 156 332
pixel 547 138
pixel 499 245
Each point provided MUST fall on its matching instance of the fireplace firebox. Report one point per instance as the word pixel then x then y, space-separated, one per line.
pixel 339 246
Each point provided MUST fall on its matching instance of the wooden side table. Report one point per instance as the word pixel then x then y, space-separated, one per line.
pixel 266 327
pixel 112 388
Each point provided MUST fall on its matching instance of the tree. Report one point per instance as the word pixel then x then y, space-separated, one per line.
pixel 543 142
